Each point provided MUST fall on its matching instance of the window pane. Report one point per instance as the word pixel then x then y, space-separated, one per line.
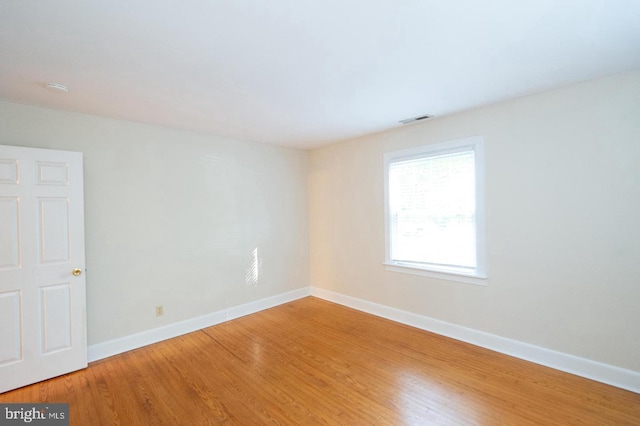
pixel 432 208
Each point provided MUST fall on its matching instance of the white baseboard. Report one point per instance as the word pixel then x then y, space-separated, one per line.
pixel 138 340
pixel 605 373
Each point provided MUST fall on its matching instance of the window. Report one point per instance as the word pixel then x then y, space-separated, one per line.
pixel 434 204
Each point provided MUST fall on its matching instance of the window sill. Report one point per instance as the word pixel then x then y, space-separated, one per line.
pixel 443 275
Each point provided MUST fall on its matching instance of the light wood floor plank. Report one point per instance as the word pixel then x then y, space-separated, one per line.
pixel 314 362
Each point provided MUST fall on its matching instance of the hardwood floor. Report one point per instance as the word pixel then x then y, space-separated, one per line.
pixel 314 362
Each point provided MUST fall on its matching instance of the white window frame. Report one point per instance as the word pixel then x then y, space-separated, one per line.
pixel 479 275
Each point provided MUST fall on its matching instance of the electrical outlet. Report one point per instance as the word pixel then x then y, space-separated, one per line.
pixel 159 310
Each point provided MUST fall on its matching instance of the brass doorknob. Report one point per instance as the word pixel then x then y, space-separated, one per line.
pixel 76 272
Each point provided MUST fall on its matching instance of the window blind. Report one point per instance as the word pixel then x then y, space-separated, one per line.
pixel 432 210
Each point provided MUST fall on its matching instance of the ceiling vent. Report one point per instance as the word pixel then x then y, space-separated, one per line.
pixel 414 119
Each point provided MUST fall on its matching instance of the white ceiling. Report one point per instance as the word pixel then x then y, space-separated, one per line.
pixel 303 73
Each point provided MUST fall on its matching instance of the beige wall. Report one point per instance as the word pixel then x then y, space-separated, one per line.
pixel 563 204
pixel 173 217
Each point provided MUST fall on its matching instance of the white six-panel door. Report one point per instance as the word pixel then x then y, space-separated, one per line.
pixel 42 302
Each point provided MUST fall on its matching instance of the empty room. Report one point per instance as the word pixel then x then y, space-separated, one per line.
pixel 304 212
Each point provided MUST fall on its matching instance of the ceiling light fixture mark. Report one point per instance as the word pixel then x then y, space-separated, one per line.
pixel 57 87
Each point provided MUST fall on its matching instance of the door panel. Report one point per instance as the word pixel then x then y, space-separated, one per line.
pixel 10 332
pixel 54 230
pixel 8 171
pixel 42 304
pixel 9 229
pixel 52 173
pixel 56 321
